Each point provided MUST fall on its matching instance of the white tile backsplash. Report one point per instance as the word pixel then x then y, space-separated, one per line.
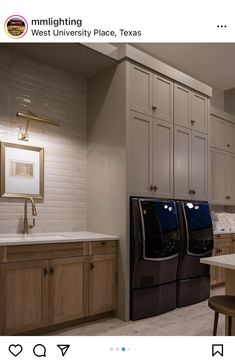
pixel 48 92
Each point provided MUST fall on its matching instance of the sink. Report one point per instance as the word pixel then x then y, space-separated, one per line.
pixel 31 237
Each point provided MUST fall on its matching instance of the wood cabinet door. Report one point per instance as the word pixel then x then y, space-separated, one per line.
pixel 163 159
pixel 219 133
pixel 199 112
pixel 182 105
pixel 141 93
pixel 68 297
pixel 102 283
pixel 141 155
pixel 230 186
pixel 25 295
pixel 162 98
pixel 182 163
pixel 225 249
pixel 199 165
pixel 218 178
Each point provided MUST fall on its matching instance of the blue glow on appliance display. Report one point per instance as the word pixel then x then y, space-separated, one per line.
pixel 199 227
pixel 161 229
pixel 198 216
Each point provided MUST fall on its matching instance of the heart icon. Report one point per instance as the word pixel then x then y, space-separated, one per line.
pixel 15 350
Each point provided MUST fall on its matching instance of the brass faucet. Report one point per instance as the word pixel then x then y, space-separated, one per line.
pixel 34 213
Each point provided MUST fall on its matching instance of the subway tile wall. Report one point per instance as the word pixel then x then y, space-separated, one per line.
pixel 25 85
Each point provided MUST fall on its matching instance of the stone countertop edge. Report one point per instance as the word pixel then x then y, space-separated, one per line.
pixel 223 232
pixel 225 261
pixel 64 237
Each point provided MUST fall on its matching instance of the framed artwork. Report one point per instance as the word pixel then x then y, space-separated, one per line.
pixel 22 171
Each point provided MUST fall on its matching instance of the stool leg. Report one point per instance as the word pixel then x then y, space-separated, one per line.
pixel 215 323
pixel 229 326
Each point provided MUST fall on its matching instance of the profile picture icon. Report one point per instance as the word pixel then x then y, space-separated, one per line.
pixel 16 26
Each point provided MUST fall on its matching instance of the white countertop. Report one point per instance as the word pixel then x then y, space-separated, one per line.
pixel 226 261
pixel 223 232
pixel 58 237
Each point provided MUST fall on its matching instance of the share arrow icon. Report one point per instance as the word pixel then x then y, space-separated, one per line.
pixel 63 349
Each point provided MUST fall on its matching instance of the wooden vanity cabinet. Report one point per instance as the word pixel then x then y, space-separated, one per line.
pixel 55 287
pixel 223 244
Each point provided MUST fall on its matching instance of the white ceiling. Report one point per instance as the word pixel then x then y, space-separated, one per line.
pixel 213 64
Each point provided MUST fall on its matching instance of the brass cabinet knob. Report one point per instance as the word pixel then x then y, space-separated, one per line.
pixel 155 188
pixel 228 197
pixel 193 121
pixel 52 270
pixel 154 107
pixel 92 266
pixel 228 145
pixel 45 271
pixel 151 188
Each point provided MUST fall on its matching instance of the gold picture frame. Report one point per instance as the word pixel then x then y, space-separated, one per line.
pixel 22 171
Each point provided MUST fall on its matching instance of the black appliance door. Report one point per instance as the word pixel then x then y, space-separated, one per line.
pixel 160 229
pixel 199 229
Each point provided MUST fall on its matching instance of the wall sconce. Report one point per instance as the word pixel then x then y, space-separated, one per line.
pixel 30 116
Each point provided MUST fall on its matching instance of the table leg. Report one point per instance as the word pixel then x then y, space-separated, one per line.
pixel 230 290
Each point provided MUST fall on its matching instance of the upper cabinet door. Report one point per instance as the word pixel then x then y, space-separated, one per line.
pixel 219 166
pixel 163 159
pixel 230 144
pixel 141 84
pixel 140 154
pixel 230 189
pixel 182 105
pixel 182 163
pixel 218 133
pixel 162 98
pixel 199 112
pixel 199 166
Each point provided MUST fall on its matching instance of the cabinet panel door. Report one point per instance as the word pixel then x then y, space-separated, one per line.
pixel 163 159
pixel 102 283
pixel 25 292
pixel 219 160
pixel 225 249
pixel 141 85
pixel 230 187
pixel 199 165
pixel 182 163
pixel 182 105
pixel 230 138
pixel 219 133
pixel 141 153
pixel 163 98
pixel 68 289
pixel 199 116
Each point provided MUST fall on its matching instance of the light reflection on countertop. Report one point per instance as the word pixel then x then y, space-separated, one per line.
pixel 53 237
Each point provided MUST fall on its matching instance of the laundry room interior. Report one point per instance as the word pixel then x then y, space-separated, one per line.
pixel 117 204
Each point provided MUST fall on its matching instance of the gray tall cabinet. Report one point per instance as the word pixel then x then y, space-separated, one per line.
pixel 147 136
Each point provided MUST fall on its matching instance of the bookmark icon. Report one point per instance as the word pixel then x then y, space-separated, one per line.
pixel 63 349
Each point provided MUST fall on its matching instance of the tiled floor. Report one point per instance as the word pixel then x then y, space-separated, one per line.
pixel 195 320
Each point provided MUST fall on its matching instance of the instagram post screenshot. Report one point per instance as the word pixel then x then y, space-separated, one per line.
pixel 117 180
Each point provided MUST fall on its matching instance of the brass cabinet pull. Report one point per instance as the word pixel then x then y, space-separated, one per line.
pixel 190 191
pixel 228 145
pixel 193 121
pixel 103 243
pixel 45 271
pixel 194 191
pixel 154 107
pixel 92 266
pixel 151 187
pixel 228 197
pixel 52 270
pixel 155 188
